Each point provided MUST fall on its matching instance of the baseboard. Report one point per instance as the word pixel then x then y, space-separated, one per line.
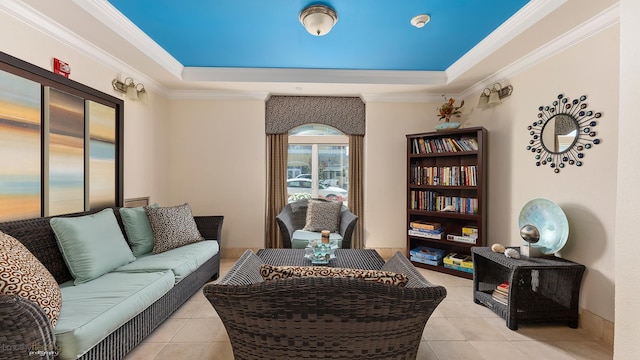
pixel 596 326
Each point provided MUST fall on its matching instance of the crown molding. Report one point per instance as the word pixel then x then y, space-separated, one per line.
pixel 38 21
pixel 318 76
pixel 602 21
pixel 216 95
pixel 119 24
pixel 415 97
pixel 514 26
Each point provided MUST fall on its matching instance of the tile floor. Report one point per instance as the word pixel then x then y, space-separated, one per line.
pixel 196 332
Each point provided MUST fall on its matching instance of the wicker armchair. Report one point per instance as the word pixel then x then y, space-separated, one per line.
pixel 26 331
pixel 322 317
pixel 294 215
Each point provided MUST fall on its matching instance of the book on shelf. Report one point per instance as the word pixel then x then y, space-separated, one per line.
pixel 462 238
pixel 424 252
pixel 434 201
pixel 426 234
pixel 470 231
pixel 425 225
pixel 423 145
pixel 464 175
pixel 501 293
pixel 502 299
pixel 426 261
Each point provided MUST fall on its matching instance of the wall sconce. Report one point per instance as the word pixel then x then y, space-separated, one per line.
pixel 129 87
pixel 494 96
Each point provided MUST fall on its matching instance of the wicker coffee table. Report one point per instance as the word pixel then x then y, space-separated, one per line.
pixel 367 259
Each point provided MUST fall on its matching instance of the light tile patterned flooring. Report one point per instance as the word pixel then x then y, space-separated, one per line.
pixel 459 329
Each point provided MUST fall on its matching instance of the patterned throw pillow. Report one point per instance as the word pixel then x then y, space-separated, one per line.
pixel 172 227
pixel 21 273
pixel 323 215
pixel 271 272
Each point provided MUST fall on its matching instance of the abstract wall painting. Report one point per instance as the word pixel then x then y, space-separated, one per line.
pixel 61 147
pixel 101 122
pixel 64 150
pixel 20 129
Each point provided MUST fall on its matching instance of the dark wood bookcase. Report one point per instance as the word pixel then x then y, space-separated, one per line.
pixel 447 167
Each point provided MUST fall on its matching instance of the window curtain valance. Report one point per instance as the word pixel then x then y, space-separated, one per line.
pixel 284 113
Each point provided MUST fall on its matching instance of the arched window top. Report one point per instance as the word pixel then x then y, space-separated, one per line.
pixel 314 130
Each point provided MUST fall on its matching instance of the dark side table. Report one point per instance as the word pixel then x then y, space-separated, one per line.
pixel 543 289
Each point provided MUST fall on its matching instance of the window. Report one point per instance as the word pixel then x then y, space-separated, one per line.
pixel 318 163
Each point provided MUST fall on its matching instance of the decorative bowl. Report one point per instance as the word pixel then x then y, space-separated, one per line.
pixel 550 221
pixel 320 253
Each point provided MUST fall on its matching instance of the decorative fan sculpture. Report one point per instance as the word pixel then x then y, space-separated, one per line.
pixel 562 132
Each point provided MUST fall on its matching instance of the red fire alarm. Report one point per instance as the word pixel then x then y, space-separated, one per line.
pixel 61 67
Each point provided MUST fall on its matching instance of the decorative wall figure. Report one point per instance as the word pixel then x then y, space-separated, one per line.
pixel 563 132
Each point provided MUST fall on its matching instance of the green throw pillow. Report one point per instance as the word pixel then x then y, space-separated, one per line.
pixel 92 245
pixel 138 229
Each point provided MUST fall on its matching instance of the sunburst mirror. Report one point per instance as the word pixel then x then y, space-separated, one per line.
pixel 563 132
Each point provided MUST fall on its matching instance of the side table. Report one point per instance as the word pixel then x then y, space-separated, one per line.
pixel 545 289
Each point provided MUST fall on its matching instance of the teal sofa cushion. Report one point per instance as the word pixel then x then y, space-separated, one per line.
pixel 181 261
pixel 138 229
pixel 91 245
pixel 300 238
pixel 92 310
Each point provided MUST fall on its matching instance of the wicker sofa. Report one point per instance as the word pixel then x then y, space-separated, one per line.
pixel 22 327
pixel 323 317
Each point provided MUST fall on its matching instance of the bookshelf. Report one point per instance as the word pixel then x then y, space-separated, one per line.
pixel 446 170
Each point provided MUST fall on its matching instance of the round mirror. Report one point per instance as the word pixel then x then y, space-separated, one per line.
pixel 560 133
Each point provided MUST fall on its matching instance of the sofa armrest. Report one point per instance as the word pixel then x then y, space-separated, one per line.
pixel 210 227
pixel 245 271
pixel 348 222
pixel 25 330
pixel 285 224
pixel 400 264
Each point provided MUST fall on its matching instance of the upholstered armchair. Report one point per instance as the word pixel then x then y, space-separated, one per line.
pixel 293 218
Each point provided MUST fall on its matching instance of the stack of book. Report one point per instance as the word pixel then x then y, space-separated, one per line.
pixel 460 262
pixel 427 255
pixel 469 235
pixel 431 230
pixel 501 293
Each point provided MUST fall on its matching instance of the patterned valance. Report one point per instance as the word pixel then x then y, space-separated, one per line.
pixel 284 113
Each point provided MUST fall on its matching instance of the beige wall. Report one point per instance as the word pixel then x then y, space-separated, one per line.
pixel 385 168
pixel 217 164
pixel 586 194
pixel 627 301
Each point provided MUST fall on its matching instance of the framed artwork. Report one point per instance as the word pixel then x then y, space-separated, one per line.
pixel 20 134
pixel 61 144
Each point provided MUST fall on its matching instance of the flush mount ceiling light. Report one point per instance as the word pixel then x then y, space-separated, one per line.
pixel 420 20
pixel 318 19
